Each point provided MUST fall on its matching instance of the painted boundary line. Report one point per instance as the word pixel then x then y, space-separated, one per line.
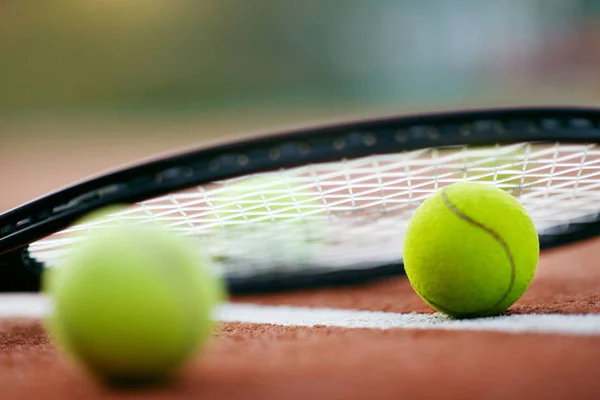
pixel 35 306
pixel 584 324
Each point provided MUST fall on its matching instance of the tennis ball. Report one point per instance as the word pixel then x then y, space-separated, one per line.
pixel 470 250
pixel 102 218
pixel 505 167
pixel 267 216
pixel 132 302
pixel 263 199
pixel 113 216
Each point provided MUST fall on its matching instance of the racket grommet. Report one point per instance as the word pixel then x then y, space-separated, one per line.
pixel 465 130
pixel 243 160
pixel 433 134
pixel 550 124
pixel 369 139
pixel 401 137
pixel 498 127
pixel 581 123
pixel 304 148
pixel 24 222
pixel 214 165
pixel 339 144
pixel 274 154
pixel 532 128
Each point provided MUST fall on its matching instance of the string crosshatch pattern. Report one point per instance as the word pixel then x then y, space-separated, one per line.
pixel 352 214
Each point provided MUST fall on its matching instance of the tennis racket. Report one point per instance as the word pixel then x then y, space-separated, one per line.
pixel 327 205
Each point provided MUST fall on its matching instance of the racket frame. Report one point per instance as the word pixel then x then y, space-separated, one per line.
pixel 53 212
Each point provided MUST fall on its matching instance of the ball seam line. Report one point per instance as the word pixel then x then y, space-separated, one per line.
pixel 496 237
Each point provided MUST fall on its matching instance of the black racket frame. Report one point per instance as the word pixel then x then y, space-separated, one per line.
pixel 46 215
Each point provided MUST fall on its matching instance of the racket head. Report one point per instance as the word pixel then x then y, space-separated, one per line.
pixel 329 205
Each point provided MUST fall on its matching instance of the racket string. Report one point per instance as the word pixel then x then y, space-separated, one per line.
pixel 353 213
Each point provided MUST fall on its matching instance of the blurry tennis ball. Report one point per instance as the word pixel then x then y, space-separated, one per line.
pixel 132 302
pixel 99 218
pixel 113 216
pixel 263 199
pixel 506 167
pixel 471 250
pixel 265 215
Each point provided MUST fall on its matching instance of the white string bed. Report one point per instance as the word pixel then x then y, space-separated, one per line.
pixel 353 213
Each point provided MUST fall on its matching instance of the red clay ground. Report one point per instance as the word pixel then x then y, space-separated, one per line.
pixel 270 362
pixel 273 362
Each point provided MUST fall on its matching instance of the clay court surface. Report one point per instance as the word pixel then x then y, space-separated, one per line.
pixel 377 341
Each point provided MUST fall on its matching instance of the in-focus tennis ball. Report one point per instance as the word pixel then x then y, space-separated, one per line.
pixel 132 302
pixel 471 250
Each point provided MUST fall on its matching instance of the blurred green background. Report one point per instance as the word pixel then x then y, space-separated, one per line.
pixel 86 85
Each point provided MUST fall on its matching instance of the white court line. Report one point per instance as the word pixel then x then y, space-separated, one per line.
pixel 584 324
